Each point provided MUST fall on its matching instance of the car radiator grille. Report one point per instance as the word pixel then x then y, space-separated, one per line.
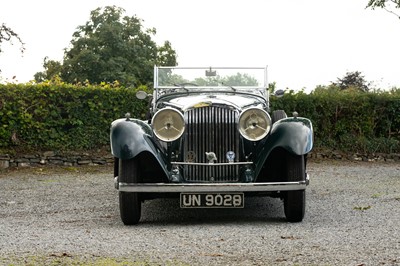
pixel 211 129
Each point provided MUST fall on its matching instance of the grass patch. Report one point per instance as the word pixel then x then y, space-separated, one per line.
pixel 65 259
pixel 362 208
pixel 376 195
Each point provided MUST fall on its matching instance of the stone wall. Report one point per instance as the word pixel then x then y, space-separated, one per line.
pixel 53 158
pixel 337 155
pixel 103 158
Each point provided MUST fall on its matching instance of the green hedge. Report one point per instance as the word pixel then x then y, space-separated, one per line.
pixel 66 117
pixel 62 116
pixel 349 120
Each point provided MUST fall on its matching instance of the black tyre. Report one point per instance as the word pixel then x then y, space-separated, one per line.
pixel 129 202
pixel 116 166
pixel 278 115
pixel 295 201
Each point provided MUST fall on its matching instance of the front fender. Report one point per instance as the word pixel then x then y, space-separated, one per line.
pixel 133 138
pixel 295 135
pixel 130 137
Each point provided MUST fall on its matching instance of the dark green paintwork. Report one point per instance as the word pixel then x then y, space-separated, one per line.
pixel 129 137
pixel 292 134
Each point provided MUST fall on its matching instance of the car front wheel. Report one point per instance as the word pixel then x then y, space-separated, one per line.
pixel 295 201
pixel 129 202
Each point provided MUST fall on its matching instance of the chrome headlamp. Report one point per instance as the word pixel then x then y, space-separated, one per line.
pixel 254 124
pixel 168 124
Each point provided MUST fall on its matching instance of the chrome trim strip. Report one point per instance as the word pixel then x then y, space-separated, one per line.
pixel 213 187
pixel 211 164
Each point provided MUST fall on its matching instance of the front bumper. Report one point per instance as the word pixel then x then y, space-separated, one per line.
pixel 211 187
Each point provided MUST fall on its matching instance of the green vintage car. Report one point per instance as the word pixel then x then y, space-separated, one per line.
pixel 211 141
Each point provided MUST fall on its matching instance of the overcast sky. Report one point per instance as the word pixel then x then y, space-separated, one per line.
pixel 305 43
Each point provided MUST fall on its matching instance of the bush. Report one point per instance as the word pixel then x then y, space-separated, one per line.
pixel 349 120
pixel 60 116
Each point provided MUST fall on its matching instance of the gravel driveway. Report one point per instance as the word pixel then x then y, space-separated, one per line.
pixel 68 215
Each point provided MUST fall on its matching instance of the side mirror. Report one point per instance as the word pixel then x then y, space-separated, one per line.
pixel 141 95
pixel 279 93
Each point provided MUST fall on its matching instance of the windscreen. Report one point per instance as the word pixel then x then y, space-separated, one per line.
pixel 167 77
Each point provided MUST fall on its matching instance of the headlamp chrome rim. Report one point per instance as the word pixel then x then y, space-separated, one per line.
pixel 254 124
pixel 168 124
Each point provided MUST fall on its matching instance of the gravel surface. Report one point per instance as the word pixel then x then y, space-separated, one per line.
pixel 352 218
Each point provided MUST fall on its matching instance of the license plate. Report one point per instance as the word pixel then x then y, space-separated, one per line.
pixel 212 200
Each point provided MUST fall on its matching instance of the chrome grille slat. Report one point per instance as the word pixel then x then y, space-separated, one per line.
pixel 211 129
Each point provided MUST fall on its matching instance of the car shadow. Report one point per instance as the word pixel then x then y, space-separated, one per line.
pixel 168 211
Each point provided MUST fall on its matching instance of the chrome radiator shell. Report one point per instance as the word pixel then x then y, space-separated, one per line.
pixel 211 129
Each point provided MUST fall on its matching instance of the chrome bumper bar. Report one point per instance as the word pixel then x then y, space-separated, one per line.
pixel 212 187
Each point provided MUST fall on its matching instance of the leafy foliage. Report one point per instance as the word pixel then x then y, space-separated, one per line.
pixel 109 47
pixel 62 116
pixel 239 79
pixel 7 34
pixel 383 3
pixel 55 115
pixel 53 70
pixel 353 80
pixel 388 5
pixel 349 120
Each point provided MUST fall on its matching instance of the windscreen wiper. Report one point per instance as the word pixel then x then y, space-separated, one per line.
pixel 229 86
pixel 182 85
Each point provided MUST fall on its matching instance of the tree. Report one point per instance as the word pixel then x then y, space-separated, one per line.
pixel 110 47
pixel 7 34
pixel 387 5
pixel 238 79
pixel 353 80
pixel 53 70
